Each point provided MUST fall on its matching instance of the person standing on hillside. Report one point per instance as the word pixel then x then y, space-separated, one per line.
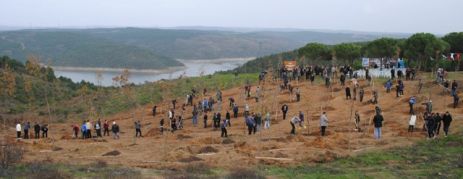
pixel 428 106
pixel 446 119
pixel 298 95
pixel 89 129
pixel 348 96
pixel 106 128
pixel 228 118
pixel 174 102
pixel 224 129
pixel 258 91
pixel 392 73
pixel 388 86
pixel 284 109
pixel 267 121
pixel 357 121
pixel 171 114
pixel 154 110
pixel 45 131
pixel 323 123
pixel 27 126
pixel 235 110
pixel 83 130
pixel 412 122
pixel 401 88
pixel 361 93
pixel 75 129
pixel 430 124
pixel 195 114
pixel 138 129
pixel 378 123
pixel 295 120
pixel 98 128
pixel 246 110
pixel 411 102
pixel 342 79
pixel 420 85
pixel 205 119
pixel 456 99
pixel 454 87
pixel 354 89
pixel 374 100
pixel 251 124
pixel 37 130
pixel 173 125
pixel 18 130
pixel 161 125
pixel 258 120
pixel 115 129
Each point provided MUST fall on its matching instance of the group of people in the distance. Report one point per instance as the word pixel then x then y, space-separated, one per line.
pixel 27 126
pixel 210 106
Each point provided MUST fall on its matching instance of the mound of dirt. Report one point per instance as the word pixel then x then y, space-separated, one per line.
pixel 329 108
pixel 281 155
pixel 208 149
pixel 190 159
pixel 227 141
pixel 153 132
pixel 319 142
pixel 324 157
pixel 208 140
pixel 112 153
pixel 66 137
pixel 182 136
pixel 55 148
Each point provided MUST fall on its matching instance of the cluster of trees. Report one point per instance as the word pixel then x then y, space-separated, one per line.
pixel 421 50
pixel 31 86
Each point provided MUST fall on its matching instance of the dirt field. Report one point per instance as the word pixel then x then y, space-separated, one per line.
pixel 273 146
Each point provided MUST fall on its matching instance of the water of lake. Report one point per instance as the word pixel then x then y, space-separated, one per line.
pixel 193 68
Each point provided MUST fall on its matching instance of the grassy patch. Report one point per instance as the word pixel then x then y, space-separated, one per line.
pixel 441 158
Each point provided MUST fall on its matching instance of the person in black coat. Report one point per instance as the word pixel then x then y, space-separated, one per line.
pixel 348 96
pixel 378 123
pixel 430 124
pixel 37 130
pixel 284 109
pixel 446 119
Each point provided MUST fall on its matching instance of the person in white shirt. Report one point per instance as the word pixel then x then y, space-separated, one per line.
pixel 18 130
pixel 411 123
pixel 323 123
pixel 267 121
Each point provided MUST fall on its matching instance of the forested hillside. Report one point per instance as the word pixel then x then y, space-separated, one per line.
pixel 156 48
pixel 423 51
pixel 60 48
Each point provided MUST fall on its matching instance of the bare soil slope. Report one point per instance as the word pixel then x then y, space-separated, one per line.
pixel 272 146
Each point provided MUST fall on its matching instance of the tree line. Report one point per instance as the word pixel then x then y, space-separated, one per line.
pixel 423 51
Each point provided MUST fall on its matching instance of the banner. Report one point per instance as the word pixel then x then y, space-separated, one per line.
pixel 365 62
pixel 289 65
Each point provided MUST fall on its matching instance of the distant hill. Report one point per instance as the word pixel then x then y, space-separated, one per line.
pixel 211 44
pixel 63 48
pixel 158 48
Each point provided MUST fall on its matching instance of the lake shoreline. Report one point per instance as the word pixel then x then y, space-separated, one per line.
pixel 100 69
pixel 152 71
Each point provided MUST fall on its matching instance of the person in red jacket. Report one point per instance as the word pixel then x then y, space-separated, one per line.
pixel 75 128
pixel 105 128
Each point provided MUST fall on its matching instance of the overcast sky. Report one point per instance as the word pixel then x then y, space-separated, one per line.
pixel 436 16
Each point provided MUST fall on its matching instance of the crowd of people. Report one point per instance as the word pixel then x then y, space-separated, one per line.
pixel 209 106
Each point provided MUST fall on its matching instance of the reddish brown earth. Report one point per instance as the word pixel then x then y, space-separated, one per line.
pixel 273 146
